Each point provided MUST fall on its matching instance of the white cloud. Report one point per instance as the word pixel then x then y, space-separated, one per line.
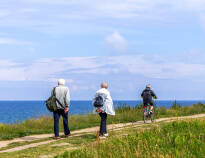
pixel 10 41
pixel 116 42
pixel 51 69
pixel 75 87
pixel 44 15
pixel 11 71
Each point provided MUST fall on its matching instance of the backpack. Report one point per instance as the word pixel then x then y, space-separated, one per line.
pixel 51 102
pixel 99 101
pixel 147 96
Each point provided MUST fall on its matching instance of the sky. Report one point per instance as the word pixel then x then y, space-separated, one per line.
pixel 128 43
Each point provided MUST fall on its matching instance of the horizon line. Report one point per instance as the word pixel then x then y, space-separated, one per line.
pixel 113 100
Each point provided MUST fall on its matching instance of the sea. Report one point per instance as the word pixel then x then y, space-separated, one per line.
pixel 18 111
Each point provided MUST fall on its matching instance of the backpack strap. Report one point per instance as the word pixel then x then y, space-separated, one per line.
pixel 54 93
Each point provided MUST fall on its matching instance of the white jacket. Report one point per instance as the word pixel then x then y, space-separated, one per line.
pixel 108 105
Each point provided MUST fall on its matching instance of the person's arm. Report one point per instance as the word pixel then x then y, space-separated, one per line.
pixel 108 98
pixel 153 94
pixel 142 94
pixel 67 101
pixel 52 92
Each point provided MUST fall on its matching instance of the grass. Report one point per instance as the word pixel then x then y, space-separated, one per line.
pixel 123 114
pixel 176 139
pixel 52 149
pixel 87 142
pixel 17 144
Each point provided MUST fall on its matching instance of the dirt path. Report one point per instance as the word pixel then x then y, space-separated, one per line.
pixel 80 132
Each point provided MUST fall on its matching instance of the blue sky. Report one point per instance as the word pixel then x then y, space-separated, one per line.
pixel 127 43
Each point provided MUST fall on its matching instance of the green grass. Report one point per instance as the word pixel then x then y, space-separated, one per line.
pixel 17 144
pixel 51 149
pixel 79 145
pixel 123 114
pixel 176 139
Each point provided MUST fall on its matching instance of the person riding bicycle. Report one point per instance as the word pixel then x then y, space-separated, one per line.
pixel 147 96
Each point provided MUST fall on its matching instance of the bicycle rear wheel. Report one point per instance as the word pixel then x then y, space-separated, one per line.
pixel 145 115
pixel 153 115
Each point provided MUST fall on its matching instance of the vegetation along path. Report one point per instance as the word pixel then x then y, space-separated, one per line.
pixel 37 140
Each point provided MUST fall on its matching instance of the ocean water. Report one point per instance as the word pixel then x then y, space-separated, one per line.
pixel 18 111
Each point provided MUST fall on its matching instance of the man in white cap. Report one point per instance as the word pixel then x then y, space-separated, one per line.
pixel 63 102
pixel 103 105
pixel 147 96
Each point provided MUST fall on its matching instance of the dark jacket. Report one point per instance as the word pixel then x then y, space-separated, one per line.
pixel 147 95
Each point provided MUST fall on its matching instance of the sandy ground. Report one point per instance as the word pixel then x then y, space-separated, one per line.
pixel 80 132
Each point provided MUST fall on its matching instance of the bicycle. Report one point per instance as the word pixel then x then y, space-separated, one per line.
pixel 147 114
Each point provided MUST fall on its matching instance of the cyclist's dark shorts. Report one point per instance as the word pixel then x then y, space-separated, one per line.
pixel 148 104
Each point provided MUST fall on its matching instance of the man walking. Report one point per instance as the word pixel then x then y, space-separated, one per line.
pixel 103 105
pixel 62 102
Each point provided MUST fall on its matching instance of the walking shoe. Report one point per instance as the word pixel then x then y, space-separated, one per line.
pixel 105 134
pixel 56 138
pixel 153 120
pixel 66 136
pixel 102 137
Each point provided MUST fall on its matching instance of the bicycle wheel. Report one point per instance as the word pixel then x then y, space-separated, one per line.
pixel 153 116
pixel 145 114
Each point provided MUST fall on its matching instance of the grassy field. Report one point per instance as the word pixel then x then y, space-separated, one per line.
pixel 133 141
pixel 176 139
pixel 123 114
pixel 50 149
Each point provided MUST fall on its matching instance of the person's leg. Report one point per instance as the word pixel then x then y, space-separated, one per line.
pixel 144 108
pixel 65 123
pixel 103 123
pixel 56 117
pixel 100 123
pixel 151 107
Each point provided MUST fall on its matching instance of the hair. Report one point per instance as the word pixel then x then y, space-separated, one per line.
pixel 61 82
pixel 148 86
pixel 104 85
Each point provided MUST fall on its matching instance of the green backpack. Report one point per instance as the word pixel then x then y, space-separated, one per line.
pixel 51 102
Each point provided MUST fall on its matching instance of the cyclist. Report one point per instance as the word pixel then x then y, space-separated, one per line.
pixel 147 96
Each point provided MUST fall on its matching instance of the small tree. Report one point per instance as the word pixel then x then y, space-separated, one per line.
pixel 175 105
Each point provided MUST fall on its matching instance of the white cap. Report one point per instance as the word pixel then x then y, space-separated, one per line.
pixel 61 82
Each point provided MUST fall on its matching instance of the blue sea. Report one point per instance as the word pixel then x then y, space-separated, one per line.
pixel 18 111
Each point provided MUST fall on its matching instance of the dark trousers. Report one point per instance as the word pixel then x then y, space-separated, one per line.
pixel 103 129
pixel 56 116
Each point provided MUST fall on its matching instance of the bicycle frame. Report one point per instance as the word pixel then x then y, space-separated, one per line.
pixel 147 115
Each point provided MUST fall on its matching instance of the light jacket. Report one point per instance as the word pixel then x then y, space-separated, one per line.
pixel 63 95
pixel 108 104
